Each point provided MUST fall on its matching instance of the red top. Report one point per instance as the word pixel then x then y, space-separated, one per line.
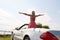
pixel 32 23
pixel 32 18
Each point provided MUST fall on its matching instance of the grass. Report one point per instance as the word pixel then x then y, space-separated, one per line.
pixel 5 37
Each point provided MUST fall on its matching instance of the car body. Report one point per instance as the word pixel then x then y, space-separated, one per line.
pixel 25 33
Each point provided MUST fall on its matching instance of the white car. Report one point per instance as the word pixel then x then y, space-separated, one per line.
pixel 25 33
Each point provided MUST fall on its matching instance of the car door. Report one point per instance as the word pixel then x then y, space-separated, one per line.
pixel 22 31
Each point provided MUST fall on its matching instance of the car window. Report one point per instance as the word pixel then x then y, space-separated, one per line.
pixel 25 27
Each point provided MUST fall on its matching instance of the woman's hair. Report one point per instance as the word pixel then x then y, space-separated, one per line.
pixel 33 12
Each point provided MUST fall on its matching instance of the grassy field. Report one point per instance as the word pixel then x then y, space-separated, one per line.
pixel 5 37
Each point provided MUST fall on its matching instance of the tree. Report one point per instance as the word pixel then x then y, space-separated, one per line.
pixel 39 25
pixel 45 26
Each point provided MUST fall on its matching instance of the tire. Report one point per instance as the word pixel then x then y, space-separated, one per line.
pixel 26 38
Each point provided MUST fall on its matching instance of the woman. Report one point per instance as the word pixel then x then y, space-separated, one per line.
pixel 32 23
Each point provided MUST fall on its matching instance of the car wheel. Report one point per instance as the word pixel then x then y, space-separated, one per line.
pixel 26 38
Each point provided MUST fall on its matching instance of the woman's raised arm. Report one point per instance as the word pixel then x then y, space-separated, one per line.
pixel 24 13
pixel 39 15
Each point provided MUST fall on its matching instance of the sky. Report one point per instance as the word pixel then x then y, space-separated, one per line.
pixel 10 18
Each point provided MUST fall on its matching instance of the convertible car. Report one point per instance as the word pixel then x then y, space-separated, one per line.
pixel 25 33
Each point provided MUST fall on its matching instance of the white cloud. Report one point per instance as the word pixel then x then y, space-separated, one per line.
pixel 4 13
pixel 8 20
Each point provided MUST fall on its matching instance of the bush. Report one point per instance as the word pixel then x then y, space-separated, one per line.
pixel 39 25
pixel 45 26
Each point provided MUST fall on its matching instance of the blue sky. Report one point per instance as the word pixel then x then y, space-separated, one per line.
pixel 9 12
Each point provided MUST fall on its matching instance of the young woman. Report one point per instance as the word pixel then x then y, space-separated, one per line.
pixel 32 23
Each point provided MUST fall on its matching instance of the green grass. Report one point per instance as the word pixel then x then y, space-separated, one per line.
pixel 5 37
